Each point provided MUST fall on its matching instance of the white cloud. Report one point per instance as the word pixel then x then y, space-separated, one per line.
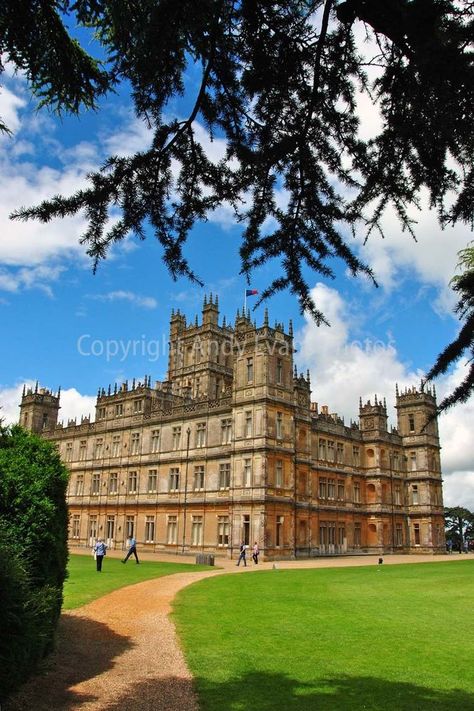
pixel 343 369
pixel 144 302
pixel 73 403
pixel 10 105
pixel 458 488
pixel 15 280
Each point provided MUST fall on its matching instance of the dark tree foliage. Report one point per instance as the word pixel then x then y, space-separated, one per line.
pixel 33 551
pixel 459 524
pixel 279 81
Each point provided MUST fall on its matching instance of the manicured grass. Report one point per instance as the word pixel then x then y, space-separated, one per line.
pixel 390 638
pixel 85 583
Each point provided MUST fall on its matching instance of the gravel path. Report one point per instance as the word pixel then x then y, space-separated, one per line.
pixel 121 652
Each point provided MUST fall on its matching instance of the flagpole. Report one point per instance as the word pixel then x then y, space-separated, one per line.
pixel 245 303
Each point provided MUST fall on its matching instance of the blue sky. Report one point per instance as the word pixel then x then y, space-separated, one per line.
pixel 53 308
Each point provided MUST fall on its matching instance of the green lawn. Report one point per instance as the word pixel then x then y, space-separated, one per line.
pixel 390 638
pixel 85 583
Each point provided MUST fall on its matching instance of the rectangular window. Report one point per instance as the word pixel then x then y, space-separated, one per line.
pixel 279 531
pixel 226 431
pixel 322 449
pixel 340 453
pixel 331 532
pixel 224 475
pixel 68 455
pixel 155 440
pixel 93 527
pixel 137 406
pixel 413 461
pixel 196 531
pixel 132 487
pixel 397 495
pixel 222 530
pixel 341 535
pixel 357 492
pixel 198 478
pixel 279 425
pixel 249 370
pixel 152 480
pixel 340 490
pixel 323 533
pixel 75 528
pixel 411 423
pixel 331 451
pixel 279 371
pixel 118 409
pixel 201 434
pixel 101 412
pixel 149 529
pixel 279 473
pixel 331 489
pixel 416 531
pixel 95 485
pixel 414 495
pixel 355 456
pixel 82 450
pixel 323 488
pixel 115 446
pixel 172 530
pixel 357 535
pixel 176 438
pixel 110 530
pixel 399 535
pixel 79 485
pixel 113 483
pixel 246 529
pixel 130 526
pixel 99 448
pixel 395 462
pixel 135 443
pixel 174 479
pixel 247 478
pixel 248 424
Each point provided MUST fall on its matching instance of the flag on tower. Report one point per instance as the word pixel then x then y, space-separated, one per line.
pixel 251 292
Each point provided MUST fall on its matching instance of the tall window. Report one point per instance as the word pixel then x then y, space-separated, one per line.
pixel 246 529
pixel 416 531
pixel 331 451
pixel 397 495
pixel 118 409
pixel 395 462
pixel 331 532
pixel 93 526
pixel 340 490
pixel 249 370
pixel 176 439
pixel 248 424
pixel 196 531
pixel 99 448
pixel 323 488
pixel 198 477
pixel 226 431
pixel 101 412
pixel 113 483
pixel 130 526
pixel 411 423
pixel 68 455
pixel 322 449
pixel 414 494
pixel 279 472
pixel 341 534
pixel 174 479
pixel 149 529
pixel 331 488
pixel 132 483
pixel 222 530
pixel 137 406
pixel 115 446
pixel 279 531
pixel 201 434
pixel 279 425
pixel 224 475
pixel 75 528
pixel 356 456
pixel 247 479
pixel 357 492
pixel 172 530
pixel 82 450
pixel 152 480
pixel 155 440
pixel 413 461
pixel 135 443
pixel 399 535
pixel 279 371
pixel 79 485
pixel 340 453
pixel 95 484
pixel 110 530
pixel 357 535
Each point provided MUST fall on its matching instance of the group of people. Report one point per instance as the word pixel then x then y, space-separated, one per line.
pixel 243 553
pixel 100 550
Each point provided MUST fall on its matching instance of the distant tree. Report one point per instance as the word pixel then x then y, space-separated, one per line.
pixel 459 524
pixel 279 81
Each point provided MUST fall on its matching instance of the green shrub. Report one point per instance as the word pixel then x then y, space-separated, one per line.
pixel 33 521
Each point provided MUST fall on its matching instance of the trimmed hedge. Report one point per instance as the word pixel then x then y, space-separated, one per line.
pixel 33 552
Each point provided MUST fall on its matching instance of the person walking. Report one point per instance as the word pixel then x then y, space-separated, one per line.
pixel 243 549
pixel 100 550
pixel 256 553
pixel 132 549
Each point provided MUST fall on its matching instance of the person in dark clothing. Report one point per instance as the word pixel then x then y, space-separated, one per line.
pixel 243 549
pixel 132 549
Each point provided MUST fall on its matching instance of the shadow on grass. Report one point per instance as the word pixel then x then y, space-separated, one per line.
pixel 84 650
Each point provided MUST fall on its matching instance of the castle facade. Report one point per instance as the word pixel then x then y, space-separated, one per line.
pixel 231 448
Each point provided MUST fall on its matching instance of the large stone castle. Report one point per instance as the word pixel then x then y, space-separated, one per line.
pixel 231 448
